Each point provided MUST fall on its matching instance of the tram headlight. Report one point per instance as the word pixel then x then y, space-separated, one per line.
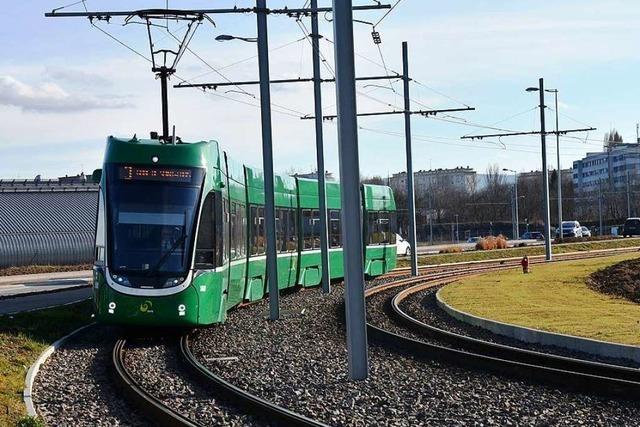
pixel 120 280
pixel 173 281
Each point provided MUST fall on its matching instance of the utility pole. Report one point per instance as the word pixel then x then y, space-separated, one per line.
pixel 559 177
pixel 430 217
pixel 545 177
pixel 628 196
pixel 350 180
pixel 600 206
pixel 545 172
pixel 411 197
pixel 267 161
pixel 317 95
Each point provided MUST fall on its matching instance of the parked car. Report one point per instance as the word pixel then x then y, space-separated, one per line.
pixel 585 231
pixel 402 246
pixel 475 239
pixel 532 235
pixel 570 229
pixel 631 227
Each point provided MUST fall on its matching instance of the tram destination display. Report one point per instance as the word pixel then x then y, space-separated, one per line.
pixel 142 173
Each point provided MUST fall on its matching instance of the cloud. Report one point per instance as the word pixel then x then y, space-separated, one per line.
pixel 50 98
pixel 76 77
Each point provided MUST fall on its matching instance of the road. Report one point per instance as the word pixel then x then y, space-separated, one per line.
pixel 36 291
pixel 43 300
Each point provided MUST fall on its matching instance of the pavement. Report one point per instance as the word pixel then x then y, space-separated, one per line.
pixel 37 291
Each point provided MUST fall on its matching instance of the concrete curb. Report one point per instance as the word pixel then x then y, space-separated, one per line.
pixel 27 394
pixel 521 333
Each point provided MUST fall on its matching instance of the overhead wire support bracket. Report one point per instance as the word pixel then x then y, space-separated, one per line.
pixel 424 113
pixel 498 135
pixel 276 81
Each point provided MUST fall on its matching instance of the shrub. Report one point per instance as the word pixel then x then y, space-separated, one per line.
pixel 451 250
pixel 28 421
pixel 582 239
pixel 489 243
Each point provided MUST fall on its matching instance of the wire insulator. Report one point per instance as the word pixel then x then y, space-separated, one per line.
pixel 376 37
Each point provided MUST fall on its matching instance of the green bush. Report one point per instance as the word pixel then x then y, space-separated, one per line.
pixel 29 421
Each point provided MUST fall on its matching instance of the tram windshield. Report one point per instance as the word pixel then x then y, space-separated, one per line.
pixel 152 213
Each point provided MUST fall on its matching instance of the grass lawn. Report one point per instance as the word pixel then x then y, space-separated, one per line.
pixel 34 269
pixel 22 338
pixel 553 297
pixel 519 252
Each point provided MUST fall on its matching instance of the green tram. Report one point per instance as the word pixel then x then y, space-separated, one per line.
pixel 180 236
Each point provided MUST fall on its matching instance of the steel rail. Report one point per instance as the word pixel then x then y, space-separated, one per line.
pixel 505 351
pixel 244 399
pixel 576 374
pixel 153 408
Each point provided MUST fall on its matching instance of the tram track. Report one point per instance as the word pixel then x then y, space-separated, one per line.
pixel 442 345
pixel 430 342
pixel 160 413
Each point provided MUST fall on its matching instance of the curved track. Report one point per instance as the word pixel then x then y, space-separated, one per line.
pixel 580 375
pixel 243 398
pixel 149 405
pixel 160 414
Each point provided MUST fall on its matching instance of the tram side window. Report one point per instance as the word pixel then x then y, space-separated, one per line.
pixel 257 230
pixel 225 231
pixel 380 228
pixel 292 230
pixel 281 228
pixel 310 229
pixel 335 229
pixel 205 246
pixel 238 231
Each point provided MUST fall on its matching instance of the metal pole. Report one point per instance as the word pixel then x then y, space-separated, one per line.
pixel 513 214
pixel 317 95
pixel 545 178
pixel 430 219
pixel 267 161
pixel 351 197
pixel 517 218
pixel 411 197
pixel 628 196
pixel 165 104
pixel 559 169
pixel 457 230
pixel 600 206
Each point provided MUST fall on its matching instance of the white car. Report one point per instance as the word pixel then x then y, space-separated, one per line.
pixel 402 246
pixel 571 229
pixel 585 231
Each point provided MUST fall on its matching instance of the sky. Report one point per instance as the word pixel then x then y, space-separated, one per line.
pixel 65 85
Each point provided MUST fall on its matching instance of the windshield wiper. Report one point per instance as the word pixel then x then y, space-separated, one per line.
pixel 165 256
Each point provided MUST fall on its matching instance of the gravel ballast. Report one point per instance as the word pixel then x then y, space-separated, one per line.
pixel 74 386
pixel 300 362
pixel 156 367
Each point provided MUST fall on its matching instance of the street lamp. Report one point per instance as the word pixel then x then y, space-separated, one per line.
pixel 545 173
pixel 227 37
pixel 517 224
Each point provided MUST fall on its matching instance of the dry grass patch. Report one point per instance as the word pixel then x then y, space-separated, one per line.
pixel 490 243
pixel 35 269
pixel 554 297
pixel 22 338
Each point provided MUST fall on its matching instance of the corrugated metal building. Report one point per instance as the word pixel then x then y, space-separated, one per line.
pixel 46 222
